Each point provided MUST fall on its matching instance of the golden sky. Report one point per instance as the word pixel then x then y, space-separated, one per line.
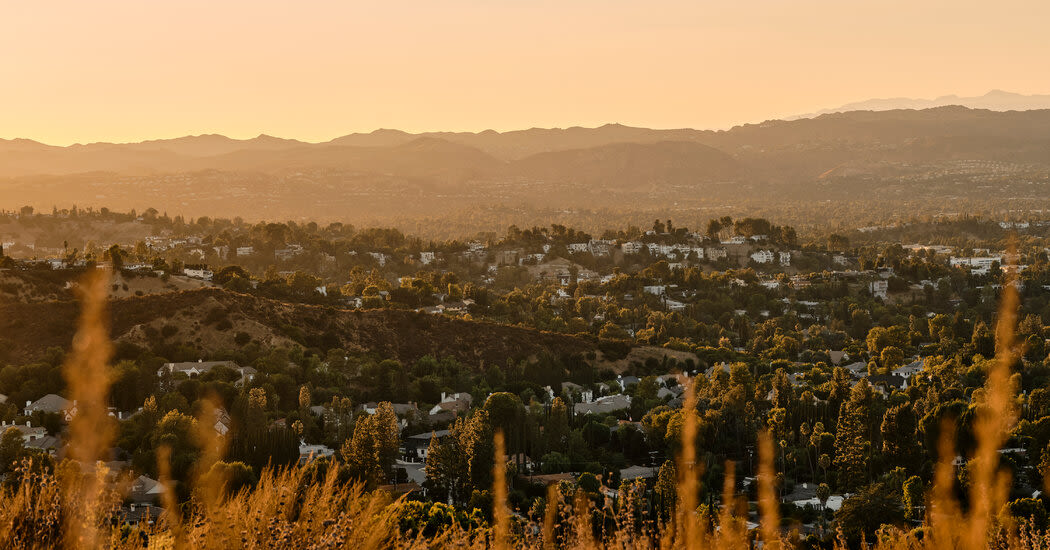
pixel 103 70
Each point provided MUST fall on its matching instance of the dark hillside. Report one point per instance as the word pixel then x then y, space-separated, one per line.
pixel 28 329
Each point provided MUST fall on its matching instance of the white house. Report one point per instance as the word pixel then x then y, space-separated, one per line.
pixel 456 402
pixel 673 305
pixel 198 273
pixel 632 247
pixel 313 452
pixel 715 253
pixel 28 431
pixel 602 405
pixel 578 247
pixel 879 288
pixel 52 403
pixel 785 258
pixel 763 256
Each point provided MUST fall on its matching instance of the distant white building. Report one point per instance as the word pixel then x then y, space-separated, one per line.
pixel 379 257
pixel 673 305
pixel 632 247
pixel 785 258
pixel 763 257
pixel 979 265
pixel 879 288
pixel 656 290
pixel 245 250
pixel 289 252
pixel 578 247
pixel 198 273
pixel 426 258
pixel 715 253
pixel 604 405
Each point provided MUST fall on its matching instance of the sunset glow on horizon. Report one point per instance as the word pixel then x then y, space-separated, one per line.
pixel 128 71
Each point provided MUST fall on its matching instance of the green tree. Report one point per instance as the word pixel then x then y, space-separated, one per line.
pixel 898 430
pixel 666 488
pixel 912 497
pixel 823 494
pixel 372 450
pixel 870 508
pixel 852 438
pixel 557 429
pixel 12 448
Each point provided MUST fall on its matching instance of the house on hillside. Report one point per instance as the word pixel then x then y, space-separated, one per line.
pixel 632 247
pixel 911 368
pixel 453 403
pixel 604 405
pixel 714 254
pixel 28 430
pixel 198 272
pixel 763 257
pixel 416 445
pixel 53 404
pixel 193 369
pixel 145 490
pixel 858 369
pixel 308 453
pixel 223 422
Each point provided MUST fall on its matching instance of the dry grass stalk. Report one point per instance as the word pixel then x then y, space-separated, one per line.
pixel 91 429
pixel 500 512
pixel 550 516
pixel 688 530
pixel 769 506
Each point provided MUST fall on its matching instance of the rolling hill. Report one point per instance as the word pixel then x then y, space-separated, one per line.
pixel 29 329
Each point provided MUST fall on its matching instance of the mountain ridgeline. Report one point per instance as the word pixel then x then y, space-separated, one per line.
pixel 394 173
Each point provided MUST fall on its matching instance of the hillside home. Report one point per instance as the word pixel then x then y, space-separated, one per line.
pixel 674 305
pixel 28 430
pixel 198 272
pixel 575 248
pixel 715 254
pixel 308 453
pixel 416 445
pixel 632 247
pixel 196 368
pixel 604 405
pixel 454 403
pixel 52 404
pixel 763 257
pixel 145 490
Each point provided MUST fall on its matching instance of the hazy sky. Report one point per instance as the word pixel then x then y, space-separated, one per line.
pixel 78 71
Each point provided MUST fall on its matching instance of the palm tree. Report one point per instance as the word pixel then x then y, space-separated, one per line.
pixel 823 494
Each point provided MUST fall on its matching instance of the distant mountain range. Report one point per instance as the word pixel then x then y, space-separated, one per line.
pixel 390 172
pixel 995 100
pixel 613 153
